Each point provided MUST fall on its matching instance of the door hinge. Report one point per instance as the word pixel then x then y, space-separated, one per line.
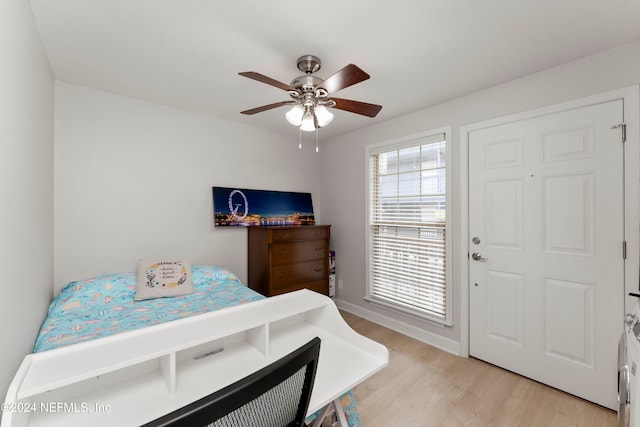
pixel 623 127
pixel 624 249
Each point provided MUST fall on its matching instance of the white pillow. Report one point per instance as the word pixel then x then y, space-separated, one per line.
pixel 158 279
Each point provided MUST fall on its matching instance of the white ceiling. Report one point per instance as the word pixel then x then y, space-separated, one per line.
pixel 187 53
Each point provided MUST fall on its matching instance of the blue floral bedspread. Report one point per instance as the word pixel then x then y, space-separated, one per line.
pixel 105 305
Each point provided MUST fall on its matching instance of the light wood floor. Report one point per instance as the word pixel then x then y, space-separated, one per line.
pixel 424 386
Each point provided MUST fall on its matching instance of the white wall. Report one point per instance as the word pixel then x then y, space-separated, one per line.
pixel 26 185
pixel 343 168
pixel 133 180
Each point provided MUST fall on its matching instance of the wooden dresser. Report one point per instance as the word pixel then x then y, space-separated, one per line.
pixel 284 259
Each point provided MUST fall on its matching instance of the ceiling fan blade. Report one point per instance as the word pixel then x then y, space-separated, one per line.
pixel 268 80
pixel 266 107
pixel 348 76
pixel 366 109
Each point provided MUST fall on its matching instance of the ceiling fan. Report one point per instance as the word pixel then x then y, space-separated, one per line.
pixel 311 96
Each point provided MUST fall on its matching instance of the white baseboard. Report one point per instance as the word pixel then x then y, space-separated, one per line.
pixel 414 332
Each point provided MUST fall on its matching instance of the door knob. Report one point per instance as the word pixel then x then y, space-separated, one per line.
pixel 477 257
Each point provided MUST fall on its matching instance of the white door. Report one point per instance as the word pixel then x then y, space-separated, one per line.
pixel 547 285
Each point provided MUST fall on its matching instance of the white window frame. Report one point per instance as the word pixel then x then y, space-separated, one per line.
pixel 398 144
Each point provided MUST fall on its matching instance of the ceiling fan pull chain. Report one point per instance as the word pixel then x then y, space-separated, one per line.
pixel 317 130
pixel 299 139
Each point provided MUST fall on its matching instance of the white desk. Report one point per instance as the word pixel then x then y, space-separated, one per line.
pixel 134 377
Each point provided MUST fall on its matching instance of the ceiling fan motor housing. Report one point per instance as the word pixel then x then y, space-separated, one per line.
pixel 306 83
pixel 309 64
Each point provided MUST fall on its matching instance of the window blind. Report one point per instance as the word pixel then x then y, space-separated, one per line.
pixel 407 226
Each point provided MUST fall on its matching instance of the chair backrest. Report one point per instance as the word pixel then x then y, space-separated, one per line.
pixel 275 396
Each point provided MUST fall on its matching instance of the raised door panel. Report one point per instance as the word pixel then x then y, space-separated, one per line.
pixel 569 321
pixel 504 307
pixel 504 220
pixel 568 222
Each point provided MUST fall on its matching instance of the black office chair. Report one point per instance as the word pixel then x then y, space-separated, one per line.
pixel 275 396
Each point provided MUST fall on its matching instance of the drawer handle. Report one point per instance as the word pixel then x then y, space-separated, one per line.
pixel 319 249
pixel 284 252
pixel 284 235
pixel 317 269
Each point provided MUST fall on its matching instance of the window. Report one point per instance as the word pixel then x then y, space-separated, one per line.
pixel 407 226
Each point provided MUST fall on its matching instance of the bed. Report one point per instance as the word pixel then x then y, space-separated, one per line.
pixel 106 305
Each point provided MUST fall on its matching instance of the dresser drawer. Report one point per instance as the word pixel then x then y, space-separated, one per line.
pixel 285 276
pixel 290 253
pixel 302 233
pixel 320 286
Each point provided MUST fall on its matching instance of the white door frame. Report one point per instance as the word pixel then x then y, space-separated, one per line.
pixel 631 97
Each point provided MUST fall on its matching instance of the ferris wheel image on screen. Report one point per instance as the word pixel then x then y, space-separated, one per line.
pixel 249 208
pixel 238 205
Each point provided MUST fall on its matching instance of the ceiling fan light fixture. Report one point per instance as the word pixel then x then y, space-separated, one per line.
pixel 294 116
pixel 323 115
pixel 308 121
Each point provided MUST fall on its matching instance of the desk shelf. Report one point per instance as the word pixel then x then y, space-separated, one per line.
pixel 137 376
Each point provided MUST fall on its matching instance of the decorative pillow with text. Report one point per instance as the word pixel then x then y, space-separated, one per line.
pixel 158 279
